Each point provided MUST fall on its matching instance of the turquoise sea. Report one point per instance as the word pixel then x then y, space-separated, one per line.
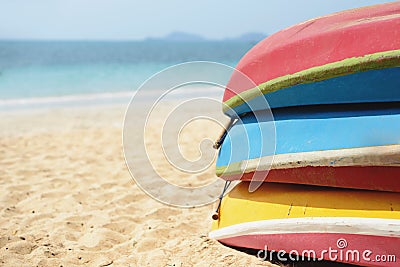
pixel 43 69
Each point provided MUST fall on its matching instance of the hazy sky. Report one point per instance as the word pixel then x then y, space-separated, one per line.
pixel 131 19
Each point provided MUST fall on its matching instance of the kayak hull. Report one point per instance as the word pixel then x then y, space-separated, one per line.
pixel 365 87
pixel 355 47
pixel 323 246
pixel 345 146
pixel 306 218
pixel 380 178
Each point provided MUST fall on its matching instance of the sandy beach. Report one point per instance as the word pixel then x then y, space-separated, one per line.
pixel 67 199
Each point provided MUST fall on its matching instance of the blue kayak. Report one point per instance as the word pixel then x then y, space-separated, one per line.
pixel 372 86
pixel 311 130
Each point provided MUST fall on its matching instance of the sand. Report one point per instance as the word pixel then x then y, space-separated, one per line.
pixel 67 198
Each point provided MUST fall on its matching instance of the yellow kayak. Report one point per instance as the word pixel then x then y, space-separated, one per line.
pixel 302 218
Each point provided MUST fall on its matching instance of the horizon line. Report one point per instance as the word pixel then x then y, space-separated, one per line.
pixel 164 38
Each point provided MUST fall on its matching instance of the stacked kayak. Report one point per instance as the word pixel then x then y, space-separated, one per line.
pixel 326 146
pixel 308 220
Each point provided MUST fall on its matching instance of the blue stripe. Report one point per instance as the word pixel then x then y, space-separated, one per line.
pixel 249 140
pixel 370 86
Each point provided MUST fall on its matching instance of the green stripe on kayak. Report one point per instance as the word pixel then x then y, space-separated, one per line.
pixel 231 169
pixel 380 60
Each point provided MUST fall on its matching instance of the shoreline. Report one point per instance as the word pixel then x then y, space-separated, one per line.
pixel 104 98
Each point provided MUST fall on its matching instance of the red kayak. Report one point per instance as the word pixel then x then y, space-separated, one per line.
pixel 346 57
pixel 378 178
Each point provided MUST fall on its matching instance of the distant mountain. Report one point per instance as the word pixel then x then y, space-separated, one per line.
pixel 251 37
